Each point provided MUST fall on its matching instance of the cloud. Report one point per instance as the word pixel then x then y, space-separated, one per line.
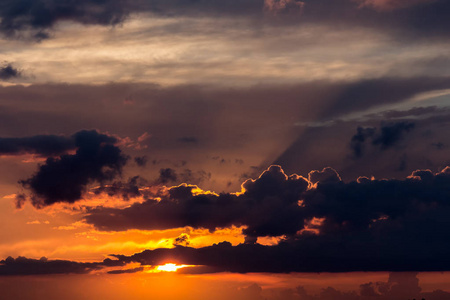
pixel 284 6
pixel 127 271
pixel 388 5
pixel 390 134
pixel 187 205
pixel 43 266
pixel 357 142
pixel 126 190
pixel 182 240
pixel 141 161
pixel 65 178
pixel 398 286
pixel 35 18
pixel 39 15
pixel 356 226
pixel 42 145
pixel 364 94
pixel 327 175
pixel 8 72
pixel 167 175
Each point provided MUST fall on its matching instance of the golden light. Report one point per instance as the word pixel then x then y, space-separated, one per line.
pixel 170 267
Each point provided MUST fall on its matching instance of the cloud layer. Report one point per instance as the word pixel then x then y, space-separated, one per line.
pixel 328 225
pixel 413 17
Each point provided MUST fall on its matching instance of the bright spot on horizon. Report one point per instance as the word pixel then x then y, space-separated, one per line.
pixel 170 267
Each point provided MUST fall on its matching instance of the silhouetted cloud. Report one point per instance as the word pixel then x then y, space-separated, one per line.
pixel 329 226
pixel 399 285
pixel 182 240
pixel 167 175
pixel 392 133
pixel 358 140
pixel 43 266
pixel 126 271
pixel 42 145
pixel 126 190
pixel 39 15
pixel 186 205
pixel 65 178
pixel 389 135
pixel 327 175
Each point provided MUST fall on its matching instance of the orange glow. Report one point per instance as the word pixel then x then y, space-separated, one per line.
pixel 169 267
pixel 312 226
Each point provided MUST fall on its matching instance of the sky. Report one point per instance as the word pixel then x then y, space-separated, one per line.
pixel 238 149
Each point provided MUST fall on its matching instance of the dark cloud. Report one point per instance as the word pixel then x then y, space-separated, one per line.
pixel 204 111
pixel 127 271
pixel 388 136
pixel 183 205
pixel 8 72
pixel 419 19
pixel 391 133
pixel 399 285
pixel 141 161
pixel 126 190
pixel 65 178
pixel 167 175
pixel 347 145
pixel 331 226
pixel 358 141
pixel 42 145
pixel 39 15
pixel 327 175
pixel 20 200
pixel 43 266
pixel 182 240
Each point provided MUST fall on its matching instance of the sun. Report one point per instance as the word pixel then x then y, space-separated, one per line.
pixel 169 267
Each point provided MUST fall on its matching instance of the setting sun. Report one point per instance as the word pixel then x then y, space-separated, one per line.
pixel 170 267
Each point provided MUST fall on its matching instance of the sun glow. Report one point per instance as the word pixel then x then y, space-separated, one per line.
pixel 170 267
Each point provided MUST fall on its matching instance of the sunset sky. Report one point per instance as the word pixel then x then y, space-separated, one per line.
pixel 225 149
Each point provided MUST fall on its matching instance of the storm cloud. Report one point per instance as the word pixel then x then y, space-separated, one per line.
pixel 64 179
